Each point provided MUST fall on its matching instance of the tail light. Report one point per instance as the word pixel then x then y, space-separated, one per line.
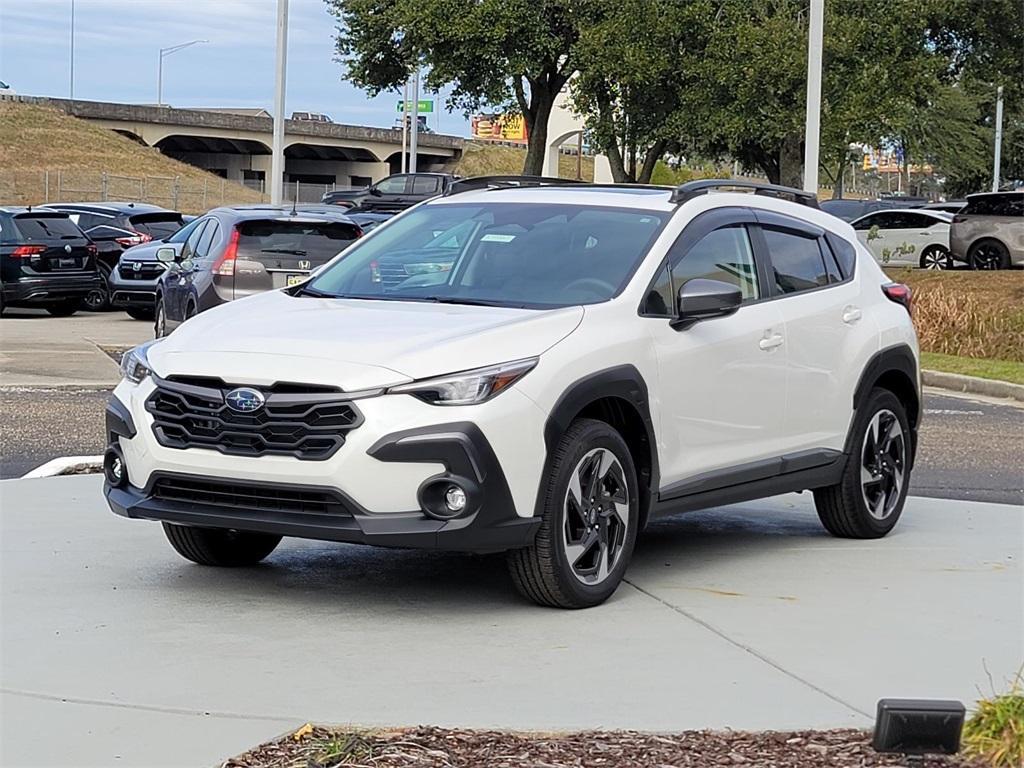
pixel 25 251
pixel 136 239
pixel 225 263
pixel 899 293
pixel 958 219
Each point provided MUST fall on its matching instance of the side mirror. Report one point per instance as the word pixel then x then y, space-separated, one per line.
pixel 701 299
pixel 375 192
pixel 166 255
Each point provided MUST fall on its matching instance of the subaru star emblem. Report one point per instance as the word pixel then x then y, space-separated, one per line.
pixel 245 400
pixel 67 249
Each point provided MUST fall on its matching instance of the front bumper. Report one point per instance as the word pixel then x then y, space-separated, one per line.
pixel 44 290
pixel 419 462
pixel 126 294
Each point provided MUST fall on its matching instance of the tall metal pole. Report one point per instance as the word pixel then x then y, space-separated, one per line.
pixel 160 81
pixel 277 157
pixel 405 126
pixel 997 161
pixel 72 79
pixel 415 127
pixel 812 126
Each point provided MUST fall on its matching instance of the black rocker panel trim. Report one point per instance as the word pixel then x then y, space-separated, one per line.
pixel 747 490
pixel 119 422
pixel 752 472
pixel 623 382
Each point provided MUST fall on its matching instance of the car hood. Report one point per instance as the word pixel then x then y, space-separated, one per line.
pixel 147 251
pixel 351 343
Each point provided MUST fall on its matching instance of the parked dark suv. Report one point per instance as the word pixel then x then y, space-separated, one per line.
pixel 988 233
pixel 46 261
pixel 115 227
pixel 394 193
pixel 235 252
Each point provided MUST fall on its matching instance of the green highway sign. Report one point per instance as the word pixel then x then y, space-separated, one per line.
pixel 426 106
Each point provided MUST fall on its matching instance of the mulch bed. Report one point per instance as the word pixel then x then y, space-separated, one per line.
pixel 423 747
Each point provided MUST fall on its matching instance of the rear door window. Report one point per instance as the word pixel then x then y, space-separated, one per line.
pixel 797 263
pixel 283 243
pixel 157 226
pixel 207 238
pixel 47 228
pixel 425 185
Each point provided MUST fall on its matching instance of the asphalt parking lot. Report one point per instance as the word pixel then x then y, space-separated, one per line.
pixel 54 377
pixel 117 651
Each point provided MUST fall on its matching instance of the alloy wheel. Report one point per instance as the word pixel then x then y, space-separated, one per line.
pixel 596 516
pixel 987 257
pixel 883 464
pixel 934 259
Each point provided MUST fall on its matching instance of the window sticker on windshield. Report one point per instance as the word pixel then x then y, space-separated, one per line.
pixel 497 238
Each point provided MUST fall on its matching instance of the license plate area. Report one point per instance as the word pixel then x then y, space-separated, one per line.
pixel 67 262
pixel 291 280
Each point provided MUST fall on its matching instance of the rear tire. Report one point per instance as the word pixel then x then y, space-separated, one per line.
pixel 935 257
pixel 988 254
pixel 589 521
pixel 220 546
pixel 65 308
pixel 868 500
pixel 98 300
pixel 140 314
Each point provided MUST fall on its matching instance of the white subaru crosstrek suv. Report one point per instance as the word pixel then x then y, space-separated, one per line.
pixel 533 368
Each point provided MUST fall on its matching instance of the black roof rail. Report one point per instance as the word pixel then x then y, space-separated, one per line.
pixel 692 189
pixel 505 182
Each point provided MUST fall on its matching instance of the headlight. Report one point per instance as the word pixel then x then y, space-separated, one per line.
pixel 135 364
pixel 468 387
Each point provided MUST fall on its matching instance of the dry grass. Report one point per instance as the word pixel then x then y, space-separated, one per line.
pixel 482 159
pixel 968 314
pixel 36 138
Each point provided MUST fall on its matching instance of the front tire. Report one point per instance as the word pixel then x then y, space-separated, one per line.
pixel 220 546
pixel 589 521
pixel 160 322
pixel 868 500
pixel 137 313
pixel 65 308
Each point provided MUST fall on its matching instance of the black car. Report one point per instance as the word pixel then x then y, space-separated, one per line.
pixel 849 209
pixel 235 252
pixel 115 227
pixel 46 261
pixel 393 193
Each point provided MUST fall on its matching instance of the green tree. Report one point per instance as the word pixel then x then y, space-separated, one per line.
pixel 491 52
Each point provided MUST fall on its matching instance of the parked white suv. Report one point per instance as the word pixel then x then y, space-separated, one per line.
pixel 571 362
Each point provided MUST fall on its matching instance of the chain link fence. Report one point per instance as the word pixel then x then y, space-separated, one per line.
pixel 179 193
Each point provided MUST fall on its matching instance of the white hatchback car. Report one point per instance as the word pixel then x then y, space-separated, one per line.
pixel 539 370
pixel 907 237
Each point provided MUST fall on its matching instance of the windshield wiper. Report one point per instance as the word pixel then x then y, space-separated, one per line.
pixel 456 300
pixel 289 251
pixel 305 290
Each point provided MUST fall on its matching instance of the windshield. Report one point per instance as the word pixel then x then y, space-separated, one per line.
pixel 505 254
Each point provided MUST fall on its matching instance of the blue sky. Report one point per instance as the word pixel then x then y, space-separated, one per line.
pixel 117 44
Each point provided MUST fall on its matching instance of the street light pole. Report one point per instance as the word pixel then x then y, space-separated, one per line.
pixel 277 154
pixel 997 160
pixel 405 126
pixel 415 127
pixel 160 67
pixel 812 126
pixel 72 78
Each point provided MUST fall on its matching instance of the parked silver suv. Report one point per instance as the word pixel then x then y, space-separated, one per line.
pixel 989 232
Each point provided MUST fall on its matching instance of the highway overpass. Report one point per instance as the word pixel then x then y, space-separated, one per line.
pixel 237 145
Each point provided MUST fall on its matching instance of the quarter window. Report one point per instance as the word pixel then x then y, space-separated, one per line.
pixel 796 261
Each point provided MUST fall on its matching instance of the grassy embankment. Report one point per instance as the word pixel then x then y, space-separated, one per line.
pixel 969 322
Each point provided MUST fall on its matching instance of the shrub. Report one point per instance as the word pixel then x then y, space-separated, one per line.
pixel 995 732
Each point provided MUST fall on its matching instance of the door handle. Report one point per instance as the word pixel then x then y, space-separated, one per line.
pixel 851 315
pixel 770 342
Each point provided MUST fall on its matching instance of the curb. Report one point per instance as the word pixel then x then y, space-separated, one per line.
pixel 66 465
pixel 974 385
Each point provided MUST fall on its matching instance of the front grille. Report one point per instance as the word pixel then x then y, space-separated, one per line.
pixel 147 271
pixel 309 425
pixel 392 275
pixel 227 495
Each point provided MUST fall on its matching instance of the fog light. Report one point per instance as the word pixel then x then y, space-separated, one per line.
pixel 455 498
pixel 114 469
